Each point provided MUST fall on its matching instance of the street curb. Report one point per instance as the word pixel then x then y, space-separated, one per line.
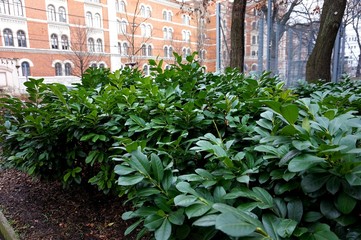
pixel 6 230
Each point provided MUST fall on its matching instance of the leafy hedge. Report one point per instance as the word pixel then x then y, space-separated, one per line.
pixel 199 155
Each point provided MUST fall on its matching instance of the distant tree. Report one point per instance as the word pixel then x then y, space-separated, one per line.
pixel 135 21
pixel 353 13
pixel 237 34
pixel 319 63
pixel 82 53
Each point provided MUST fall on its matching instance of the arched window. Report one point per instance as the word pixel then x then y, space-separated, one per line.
pixel 169 16
pixel 119 48
pixel 170 54
pixel 102 65
pixel 8 37
pixel 117 5
pixel 142 30
pixel 97 20
pixel 89 19
pixel 91 45
pixel 25 69
pixel 170 33
pixel 62 14
pixel 99 45
pixel 68 69
pixel 150 50
pixel 142 11
pixel 4 7
pixel 148 31
pixel 51 13
pixel 146 69
pixel 253 39
pixel 123 26
pixel 93 65
pixel 58 69
pixel 148 12
pixel 122 6
pixel 254 25
pixel 18 8
pixel 64 42
pixel 21 39
pixel 165 15
pixel 166 51
pixel 184 53
pixel 144 50
pixel 125 49
pixel 54 41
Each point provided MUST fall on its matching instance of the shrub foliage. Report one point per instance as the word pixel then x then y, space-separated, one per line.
pixel 199 155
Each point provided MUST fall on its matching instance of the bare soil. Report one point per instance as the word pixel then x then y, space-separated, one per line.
pixel 40 210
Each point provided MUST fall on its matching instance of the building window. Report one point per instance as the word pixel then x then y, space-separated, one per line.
pixel 125 49
pixel 8 37
pixel 254 25
pixel 99 45
pixel 102 65
pixel 97 20
pixel 89 19
pixel 51 13
pixel 146 30
pixel 254 41
pixel 122 6
pixel 148 12
pixel 119 48
pixel 186 19
pixel 146 69
pixel 21 39
pixel 25 69
pixel 64 42
pixel 142 11
pixel 4 7
pixel 122 27
pixel 58 69
pixel 147 50
pixel 91 45
pixel 165 15
pixel 186 52
pixel 18 8
pixel 186 35
pixel 117 5
pixel 202 54
pixel 167 33
pixel 54 41
pixel 62 14
pixel 67 69
pixel 93 65
pixel 168 51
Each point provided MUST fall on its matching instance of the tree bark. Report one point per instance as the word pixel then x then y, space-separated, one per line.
pixel 237 34
pixel 319 63
pixel 358 68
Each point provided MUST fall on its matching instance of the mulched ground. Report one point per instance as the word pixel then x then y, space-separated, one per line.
pixel 42 210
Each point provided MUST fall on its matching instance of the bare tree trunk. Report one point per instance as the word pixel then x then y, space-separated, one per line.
pixel 358 68
pixel 237 34
pixel 319 63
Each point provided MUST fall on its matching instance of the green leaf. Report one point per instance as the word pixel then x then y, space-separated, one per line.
pixel 177 217
pixel 270 223
pixel 132 227
pixel 123 170
pixel 157 167
pixel 185 187
pixel 344 203
pixel 286 227
pixel 164 232
pixel 329 210
pixel 206 221
pixel 290 113
pixel 232 225
pixel 313 182
pixel 312 216
pixel 197 210
pixel 304 162
pixel 130 180
pixel 153 221
pixel 184 200
pixel 140 162
pixel 263 196
pixel 295 210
